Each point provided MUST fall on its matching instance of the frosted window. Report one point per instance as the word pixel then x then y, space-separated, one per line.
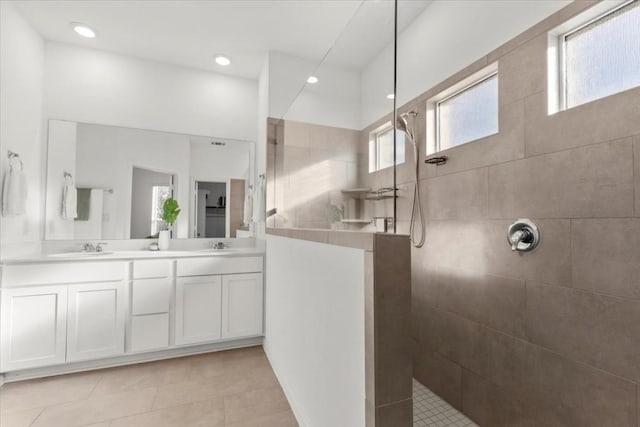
pixel 468 115
pixel 603 58
pixel 384 149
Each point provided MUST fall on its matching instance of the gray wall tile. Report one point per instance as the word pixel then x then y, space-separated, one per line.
pixel 596 329
pixel 523 72
pixel 605 119
pixel 594 181
pixel 459 195
pixel 570 393
pixel 606 256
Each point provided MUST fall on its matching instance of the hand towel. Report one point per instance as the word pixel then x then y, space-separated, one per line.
pixel 69 200
pixel 14 189
pixel 259 202
pixel 83 204
pixel 248 209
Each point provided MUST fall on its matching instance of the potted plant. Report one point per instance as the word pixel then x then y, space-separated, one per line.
pixel 170 212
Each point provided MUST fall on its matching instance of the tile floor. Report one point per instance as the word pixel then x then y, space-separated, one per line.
pixel 429 410
pixel 234 388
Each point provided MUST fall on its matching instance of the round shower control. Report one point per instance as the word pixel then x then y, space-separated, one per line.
pixel 523 235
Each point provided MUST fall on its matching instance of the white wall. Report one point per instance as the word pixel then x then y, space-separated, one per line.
pixel 219 163
pixel 314 334
pixel 61 159
pixel 21 80
pixel 446 37
pixel 333 101
pixel 92 86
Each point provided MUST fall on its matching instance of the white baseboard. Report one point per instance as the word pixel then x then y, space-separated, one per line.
pixel 292 402
pixel 89 365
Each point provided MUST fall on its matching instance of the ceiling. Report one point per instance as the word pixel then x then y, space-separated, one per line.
pixel 189 33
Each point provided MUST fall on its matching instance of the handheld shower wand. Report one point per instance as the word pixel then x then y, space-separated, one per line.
pixel 416 208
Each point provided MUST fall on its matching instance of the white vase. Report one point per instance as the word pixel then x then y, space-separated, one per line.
pixel 163 240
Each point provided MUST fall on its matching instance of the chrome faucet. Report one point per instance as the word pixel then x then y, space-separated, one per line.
pixel 90 247
pixel 219 245
pixel 522 235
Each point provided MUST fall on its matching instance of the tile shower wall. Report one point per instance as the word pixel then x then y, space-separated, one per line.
pixel 309 165
pixel 551 337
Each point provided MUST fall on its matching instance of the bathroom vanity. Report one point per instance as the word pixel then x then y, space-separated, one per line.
pixel 66 312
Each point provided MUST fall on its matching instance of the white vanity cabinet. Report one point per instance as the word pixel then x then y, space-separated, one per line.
pixel 126 309
pixel 212 306
pixel 34 322
pixel 198 309
pixel 151 292
pixel 95 320
pixel 242 304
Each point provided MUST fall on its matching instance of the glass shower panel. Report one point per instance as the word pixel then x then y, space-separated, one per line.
pixel 319 149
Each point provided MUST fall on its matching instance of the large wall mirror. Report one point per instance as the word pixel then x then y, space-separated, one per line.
pixel 122 176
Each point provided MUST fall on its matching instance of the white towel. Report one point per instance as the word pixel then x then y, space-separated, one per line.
pixel 15 189
pixel 259 202
pixel 248 208
pixel 69 200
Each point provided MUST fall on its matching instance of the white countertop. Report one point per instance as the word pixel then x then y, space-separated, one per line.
pixel 131 255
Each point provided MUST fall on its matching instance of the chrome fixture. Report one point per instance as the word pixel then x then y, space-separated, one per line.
pixel 90 247
pixel 416 209
pixel 219 245
pixel 523 235
pixel 438 160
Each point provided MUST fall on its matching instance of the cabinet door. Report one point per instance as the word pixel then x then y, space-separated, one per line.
pixel 242 305
pixel 150 296
pixel 96 321
pixel 150 332
pixel 198 309
pixel 33 327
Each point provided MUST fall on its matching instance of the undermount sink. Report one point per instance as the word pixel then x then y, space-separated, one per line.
pixel 220 250
pixel 79 254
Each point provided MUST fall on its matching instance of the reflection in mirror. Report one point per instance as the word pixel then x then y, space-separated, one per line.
pixel 149 191
pixel 107 182
pixel 210 209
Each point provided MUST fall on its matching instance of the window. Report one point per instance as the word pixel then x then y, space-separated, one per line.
pixel 381 148
pixel 160 193
pixel 598 55
pixel 465 112
pixel 469 114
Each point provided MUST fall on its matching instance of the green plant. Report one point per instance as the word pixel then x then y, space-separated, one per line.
pixel 170 211
pixel 335 213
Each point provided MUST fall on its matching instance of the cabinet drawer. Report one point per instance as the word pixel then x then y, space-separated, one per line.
pixel 149 332
pixel 63 272
pixel 150 296
pixel 209 266
pixel 148 269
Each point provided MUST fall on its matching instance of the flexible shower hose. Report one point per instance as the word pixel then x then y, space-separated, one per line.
pixel 416 209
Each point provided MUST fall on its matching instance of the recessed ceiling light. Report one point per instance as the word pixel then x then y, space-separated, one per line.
pixel 83 30
pixel 391 96
pixel 312 79
pixel 223 60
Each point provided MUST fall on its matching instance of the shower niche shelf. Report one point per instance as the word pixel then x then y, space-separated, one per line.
pixel 369 194
pixel 355 210
pixel 356 221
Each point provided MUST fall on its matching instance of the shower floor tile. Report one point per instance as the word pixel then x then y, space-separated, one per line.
pixel 431 411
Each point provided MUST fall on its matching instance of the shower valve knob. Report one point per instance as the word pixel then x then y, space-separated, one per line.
pixel 523 235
